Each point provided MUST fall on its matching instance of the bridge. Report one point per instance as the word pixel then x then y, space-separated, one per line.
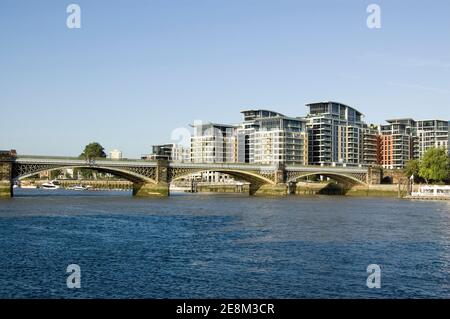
pixel 152 178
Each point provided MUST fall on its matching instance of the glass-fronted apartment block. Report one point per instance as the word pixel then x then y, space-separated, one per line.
pixel 432 133
pixel 397 143
pixel 267 137
pixel 371 154
pixel 335 134
pixel 214 143
pixel 247 129
pixel 170 151
pixel 406 139
pixel 180 153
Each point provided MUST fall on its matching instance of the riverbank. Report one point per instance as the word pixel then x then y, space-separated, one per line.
pixel 309 188
pixel 302 188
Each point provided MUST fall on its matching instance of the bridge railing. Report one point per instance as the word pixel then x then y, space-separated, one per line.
pixel 124 161
pixel 72 158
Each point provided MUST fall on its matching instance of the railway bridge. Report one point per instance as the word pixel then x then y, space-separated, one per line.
pixel 152 178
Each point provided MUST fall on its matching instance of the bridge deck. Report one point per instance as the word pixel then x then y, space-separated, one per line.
pixel 64 160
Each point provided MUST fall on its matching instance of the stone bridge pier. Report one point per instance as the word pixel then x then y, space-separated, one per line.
pixel 6 171
pixel 279 188
pixel 158 189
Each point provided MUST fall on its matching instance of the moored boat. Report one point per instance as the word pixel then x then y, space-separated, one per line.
pixel 441 192
pixel 51 185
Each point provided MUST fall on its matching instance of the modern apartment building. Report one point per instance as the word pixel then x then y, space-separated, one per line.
pixel 115 154
pixel 170 151
pixel 406 139
pixel 246 131
pixel 371 145
pixel 214 143
pixel 267 137
pixel 397 143
pixel 431 133
pixel 335 134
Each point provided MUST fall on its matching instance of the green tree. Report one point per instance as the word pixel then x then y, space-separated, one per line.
pixel 434 165
pixel 412 168
pixel 93 150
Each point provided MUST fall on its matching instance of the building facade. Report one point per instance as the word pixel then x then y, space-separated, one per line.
pixel 267 137
pixel 371 146
pixel 214 143
pixel 335 134
pixel 431 133
pixel 170 151
pixel 397 143
pixel 115 154
pixel 406 139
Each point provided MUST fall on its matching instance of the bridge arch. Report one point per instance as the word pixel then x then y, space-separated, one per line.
pixel 248 176
pixel 117 171
pixel 339 177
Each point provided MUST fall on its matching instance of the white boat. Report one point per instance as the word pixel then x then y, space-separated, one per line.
pixel 28 186
pixel 51 185
pixel 174 188
pixel 433 191
pixel 78 188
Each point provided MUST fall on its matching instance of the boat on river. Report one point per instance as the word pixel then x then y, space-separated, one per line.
pixel 80 187
pixel 440 192
pixel 51 185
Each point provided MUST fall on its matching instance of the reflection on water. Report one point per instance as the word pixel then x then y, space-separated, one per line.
pixel 221 246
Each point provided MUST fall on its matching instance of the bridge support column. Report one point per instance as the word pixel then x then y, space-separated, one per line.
pixel 150 190
pixel 374 175
pixel 292 188
pixel 6 190
pixel 268 190
pixel 6 184
pixel 160 189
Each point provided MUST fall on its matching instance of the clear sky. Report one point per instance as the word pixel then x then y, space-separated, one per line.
pixel 137 70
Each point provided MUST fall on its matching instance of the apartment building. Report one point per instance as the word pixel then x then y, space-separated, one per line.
pixel 246 131
pixel 397 143
pixel 371 146
pixel 431 133
pixel 267 137
pixel 170 151
pixel 406 139
pixel 214 143
pixel 335 134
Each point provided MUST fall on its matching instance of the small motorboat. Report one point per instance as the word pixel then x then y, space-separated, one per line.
pixel 51 185
pixel 80 187
pixel 28 186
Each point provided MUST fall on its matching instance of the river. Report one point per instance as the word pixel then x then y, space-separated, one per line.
pixel 221 246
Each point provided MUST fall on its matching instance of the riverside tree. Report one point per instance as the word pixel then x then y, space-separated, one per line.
pixel 91 151
pixel 434 165
pixel 412 168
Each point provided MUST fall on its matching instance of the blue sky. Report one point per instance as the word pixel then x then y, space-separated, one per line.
pixel 137 70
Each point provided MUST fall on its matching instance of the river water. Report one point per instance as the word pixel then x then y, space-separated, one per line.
pixel 221 246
